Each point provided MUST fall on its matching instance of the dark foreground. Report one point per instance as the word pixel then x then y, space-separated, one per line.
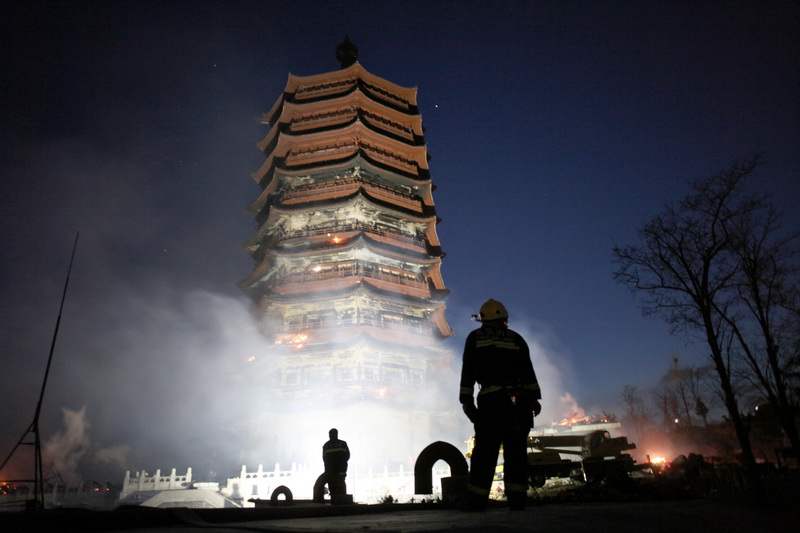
pixel 752 515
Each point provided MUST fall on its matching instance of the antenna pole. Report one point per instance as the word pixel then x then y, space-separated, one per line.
pixel 34 427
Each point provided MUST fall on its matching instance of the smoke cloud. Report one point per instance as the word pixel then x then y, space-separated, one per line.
pixel 62 452
pixel 163 376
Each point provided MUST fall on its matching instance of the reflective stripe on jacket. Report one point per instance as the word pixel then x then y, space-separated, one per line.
pixel 335 455
pixel 498 360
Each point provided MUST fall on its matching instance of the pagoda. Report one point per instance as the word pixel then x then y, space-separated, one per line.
pixel 347 283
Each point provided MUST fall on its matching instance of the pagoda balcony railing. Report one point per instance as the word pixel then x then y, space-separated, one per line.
pixel 320 153
pixel 410 325
pixel 338 116
pixel 305 92
pixel 390 98
pixel 347 228
pixel 318 120
pixel 315 154
pixel 350 184
pixel 390 158
pixel 343 272
pixel 389 125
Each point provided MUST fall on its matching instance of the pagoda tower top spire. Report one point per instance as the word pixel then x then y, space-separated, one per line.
pixel 346 53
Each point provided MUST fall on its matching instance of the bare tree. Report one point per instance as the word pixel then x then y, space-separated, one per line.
pixel 684 269
pixel 682 394
pixel 765 325
pixel 666 402
pixel 636 411
pixel 702 391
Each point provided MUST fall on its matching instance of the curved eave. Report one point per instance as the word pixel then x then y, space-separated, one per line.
pixel 360 195
pixel 289 111
pixel 355 71
pixel 274 110
pixel 421 187
pixel 435 307
pixel 421 304
pixel 360 336
pixel 361 238
pixel 421 174
pixel 269 144
pixel 366 338
pixel 270 185
pixel 433 244
pixel 355 133
pixel 422 212
pixel 300 289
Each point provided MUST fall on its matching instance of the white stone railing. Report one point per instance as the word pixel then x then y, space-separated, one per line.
pixel 141 481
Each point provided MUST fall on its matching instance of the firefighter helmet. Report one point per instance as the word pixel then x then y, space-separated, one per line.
pixel 493 310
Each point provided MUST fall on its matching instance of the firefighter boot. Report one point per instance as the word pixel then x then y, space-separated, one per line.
pixel 476 503
pixel 516 500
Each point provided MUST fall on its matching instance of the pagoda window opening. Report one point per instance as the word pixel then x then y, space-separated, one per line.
pixel 369 318
pixel 347 374
pixel 291 378
pixel 294 324
pixel 394 373
pixel 348 318
pixel 319 374
pixel 313 321
pixel 390 320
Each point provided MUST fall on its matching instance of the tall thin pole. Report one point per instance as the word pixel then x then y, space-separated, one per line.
pixel 34 427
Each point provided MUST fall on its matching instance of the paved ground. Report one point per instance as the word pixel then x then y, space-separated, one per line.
pixel 679 516
pixel 637 517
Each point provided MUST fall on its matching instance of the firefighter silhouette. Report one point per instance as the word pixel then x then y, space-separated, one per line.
pixel 498 360
pixel 335 455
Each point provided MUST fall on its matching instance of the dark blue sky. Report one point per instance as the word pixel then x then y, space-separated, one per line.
pixel 555 130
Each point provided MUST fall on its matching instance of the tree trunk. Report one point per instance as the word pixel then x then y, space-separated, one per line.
pixel 742 432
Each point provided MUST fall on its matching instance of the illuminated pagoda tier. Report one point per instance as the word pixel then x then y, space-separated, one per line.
pixel 347 281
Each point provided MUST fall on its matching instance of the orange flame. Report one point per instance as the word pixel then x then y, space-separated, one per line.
pixel 296 341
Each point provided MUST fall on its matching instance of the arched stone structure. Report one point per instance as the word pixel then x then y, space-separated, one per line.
pixel 326 478
pixel 423 468
pixel 285 491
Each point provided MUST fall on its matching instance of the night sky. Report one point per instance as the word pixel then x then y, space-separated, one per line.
pixel 555 130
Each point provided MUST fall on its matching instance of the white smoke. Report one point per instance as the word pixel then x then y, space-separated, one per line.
pixel 570 406
pixel 62 452
pixel 167 379
pixel 166 374
pixel 115 456
pixel 553 366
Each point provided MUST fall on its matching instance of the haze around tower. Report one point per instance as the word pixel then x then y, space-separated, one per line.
pixel 554 132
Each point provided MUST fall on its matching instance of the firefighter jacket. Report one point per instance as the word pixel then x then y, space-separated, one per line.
pixel 498 360
pixel 335 455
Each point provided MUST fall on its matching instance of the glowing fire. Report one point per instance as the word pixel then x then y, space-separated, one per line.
pixel 582 420
pixel 296 341
pixel 658 460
